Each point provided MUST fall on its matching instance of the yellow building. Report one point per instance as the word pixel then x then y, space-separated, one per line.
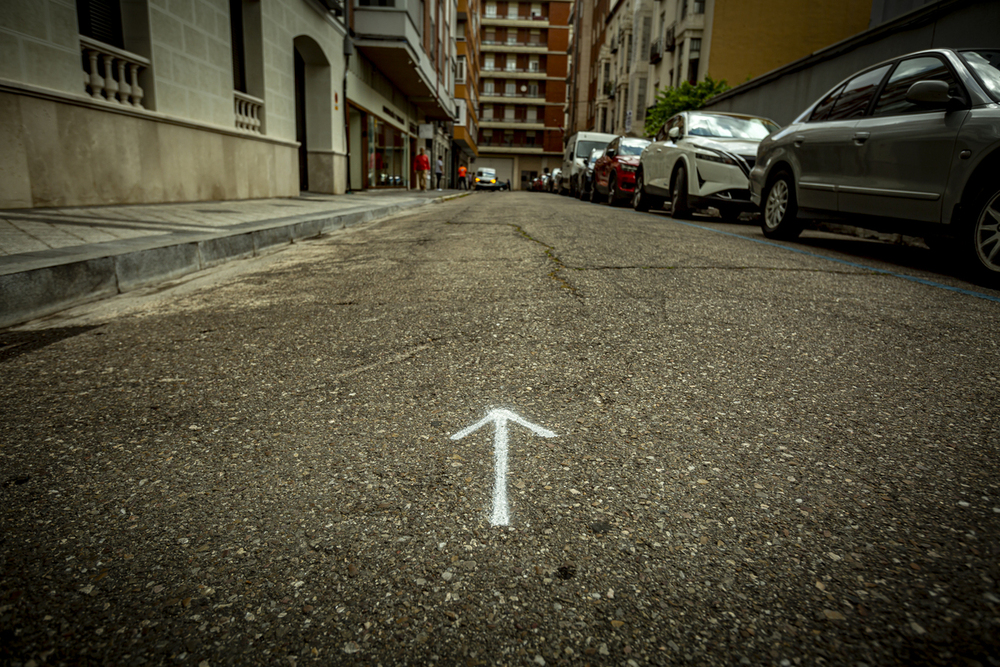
pixel 747 38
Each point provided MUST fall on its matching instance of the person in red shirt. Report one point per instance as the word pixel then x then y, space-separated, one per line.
pixel 422 167
pixel 462 183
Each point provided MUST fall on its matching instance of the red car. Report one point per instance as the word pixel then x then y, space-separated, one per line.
pixel 614 171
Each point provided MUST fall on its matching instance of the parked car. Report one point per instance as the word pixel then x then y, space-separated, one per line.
pixel 578 149
pixel 587 178
pixel 486 179
pixel 910 145
pixel 554 178
pixel 701 159
pixel 614 171
pixel 538 183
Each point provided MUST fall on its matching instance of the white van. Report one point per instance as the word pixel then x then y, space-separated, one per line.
pixel 575 158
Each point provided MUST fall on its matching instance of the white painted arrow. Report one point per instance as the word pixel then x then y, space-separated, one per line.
pixel 501 513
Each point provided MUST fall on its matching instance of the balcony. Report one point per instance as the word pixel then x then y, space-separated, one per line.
pixel 609 89
pixel 511 73
pixel 112 75
pixel 669 41
pixel 519 22
pixel 496 46
pixel 517 98
pixel 656 51
pixel 512 123
pixel 392 38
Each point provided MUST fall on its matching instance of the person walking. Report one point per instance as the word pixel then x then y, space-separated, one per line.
pixel 439 171
pixel 422 167
pixel 462 183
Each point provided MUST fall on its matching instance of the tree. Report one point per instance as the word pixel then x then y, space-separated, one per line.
pixel 684 97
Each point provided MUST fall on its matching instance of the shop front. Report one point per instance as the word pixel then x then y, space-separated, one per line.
pixel 380 153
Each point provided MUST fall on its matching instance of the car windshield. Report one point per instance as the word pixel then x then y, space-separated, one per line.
pixel 632 146
pixel 986 65
pixel 584 147
pixel 594 154
pixel 729 127
pixel 486 173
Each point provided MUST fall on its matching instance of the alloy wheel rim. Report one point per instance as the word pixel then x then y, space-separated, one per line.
pixel 988 234
pixel 777 203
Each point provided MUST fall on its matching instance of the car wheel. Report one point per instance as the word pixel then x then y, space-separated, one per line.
pixel 613 190
pixel 595 196
pixel 780 219
pixel 640 200
pixel 979 248
pixel 679 207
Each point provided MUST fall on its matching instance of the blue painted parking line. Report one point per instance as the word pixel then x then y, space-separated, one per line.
pixel 922 281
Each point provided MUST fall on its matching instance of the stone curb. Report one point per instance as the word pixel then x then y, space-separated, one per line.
pixel 43 283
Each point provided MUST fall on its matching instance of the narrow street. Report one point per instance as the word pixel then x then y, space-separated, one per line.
pixel 707 448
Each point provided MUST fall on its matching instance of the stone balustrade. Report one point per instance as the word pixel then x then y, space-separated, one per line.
pixel 248 112
pixel 111 74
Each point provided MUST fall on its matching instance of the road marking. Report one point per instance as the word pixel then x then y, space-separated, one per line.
pixel 922 281
pixel 499 417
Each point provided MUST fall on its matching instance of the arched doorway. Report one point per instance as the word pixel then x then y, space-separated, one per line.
pixel 313 116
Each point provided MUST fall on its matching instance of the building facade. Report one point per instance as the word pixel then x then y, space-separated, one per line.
pixel 522 94
pixel 640 46
pixel 148 101
pixel 466 125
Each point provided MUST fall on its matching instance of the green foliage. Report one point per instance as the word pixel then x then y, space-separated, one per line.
pixel 684 97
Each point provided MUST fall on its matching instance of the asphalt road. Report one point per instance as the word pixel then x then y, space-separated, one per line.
pixel 760 453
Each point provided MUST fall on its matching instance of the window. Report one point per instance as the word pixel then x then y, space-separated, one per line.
pixel 489 63
pixel 536 9
pixel 488 87
pixel 535 37
pixel 512 10
pixel 822 109
pixel 511 36
pixel 858 93
pixel 508 112
pixel 491 10
pixel 102 20
pixel 239 57
pixel 511 63
pixel 460 70
pixel 376 3
pixel 511 88
pixel 532 90
pixel 490 36
pixel 532 114
pixel 698 7
pixel 908 72
pixel 488 112
pixel 533 64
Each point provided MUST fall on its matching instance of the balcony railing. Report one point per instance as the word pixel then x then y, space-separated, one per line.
pixel 248 112
pixel 111 74
pixel 515 70
pixel 499 42
pixel 507 144
pixel 519 17
pixel 535 121
pixel 656 51
pixel 529 94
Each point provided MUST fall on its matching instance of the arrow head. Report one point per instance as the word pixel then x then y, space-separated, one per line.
pixel 500 417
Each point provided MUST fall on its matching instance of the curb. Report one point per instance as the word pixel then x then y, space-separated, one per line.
pixel 42 283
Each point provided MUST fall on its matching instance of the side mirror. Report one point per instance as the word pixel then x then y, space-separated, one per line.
pixel 611 153
pixel 929 93
pixel 674 133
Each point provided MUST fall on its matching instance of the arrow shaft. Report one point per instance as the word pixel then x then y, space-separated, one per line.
pixel 501 511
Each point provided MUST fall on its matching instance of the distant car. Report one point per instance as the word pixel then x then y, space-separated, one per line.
pixel 587 177
pixel 486 179
pixel 614 171
pixel 578 149
pixel 910 145
pixel 538 183
pixel 701 159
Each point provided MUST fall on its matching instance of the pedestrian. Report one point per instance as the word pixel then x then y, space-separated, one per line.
pixel 462 183
pixel 440 172
pixel 422 168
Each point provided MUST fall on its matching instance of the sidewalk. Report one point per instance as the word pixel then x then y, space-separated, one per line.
pixel 54 258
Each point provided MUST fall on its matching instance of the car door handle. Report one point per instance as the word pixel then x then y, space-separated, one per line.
pixel 798 141
pixel 861 137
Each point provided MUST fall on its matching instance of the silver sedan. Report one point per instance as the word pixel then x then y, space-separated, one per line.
pixel 910 145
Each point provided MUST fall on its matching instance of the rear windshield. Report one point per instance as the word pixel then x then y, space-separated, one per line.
pixel 986 66
pixel 584 147
pixel 487 173
pixel 632 146
pixel 730 127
